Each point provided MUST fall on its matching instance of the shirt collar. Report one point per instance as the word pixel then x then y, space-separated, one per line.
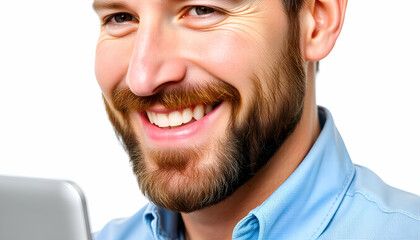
pixel 304 204
pixel 300 208
pixel 162 223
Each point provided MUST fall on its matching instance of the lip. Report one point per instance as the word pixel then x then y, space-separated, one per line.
pixel 188 132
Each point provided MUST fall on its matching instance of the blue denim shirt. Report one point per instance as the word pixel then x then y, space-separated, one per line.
pixel 326 197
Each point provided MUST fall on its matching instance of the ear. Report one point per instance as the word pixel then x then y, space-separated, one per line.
pixel 321 22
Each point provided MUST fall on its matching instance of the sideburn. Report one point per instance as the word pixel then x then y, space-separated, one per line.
pixel 279 110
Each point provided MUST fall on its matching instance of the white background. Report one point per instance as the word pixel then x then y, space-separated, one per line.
pixel 53 123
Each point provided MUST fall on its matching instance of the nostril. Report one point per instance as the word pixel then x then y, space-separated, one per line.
pixel 141 81
pixel 171 71
pixel 146 80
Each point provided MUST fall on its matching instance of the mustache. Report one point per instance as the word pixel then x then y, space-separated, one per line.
pixel 124 100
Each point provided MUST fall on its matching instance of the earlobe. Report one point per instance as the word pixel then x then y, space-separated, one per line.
pixel 322 23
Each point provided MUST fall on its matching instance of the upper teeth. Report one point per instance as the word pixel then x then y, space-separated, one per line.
pixel 177 118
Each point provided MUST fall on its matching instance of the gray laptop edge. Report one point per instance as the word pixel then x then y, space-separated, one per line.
pixel 41 209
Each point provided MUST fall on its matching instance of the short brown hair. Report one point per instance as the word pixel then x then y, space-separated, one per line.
pixel 293 7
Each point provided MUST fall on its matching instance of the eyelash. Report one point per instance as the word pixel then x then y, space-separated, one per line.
pixel 211 9
pixel 109 18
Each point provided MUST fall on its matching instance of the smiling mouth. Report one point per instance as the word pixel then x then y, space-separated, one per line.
pixel 180 117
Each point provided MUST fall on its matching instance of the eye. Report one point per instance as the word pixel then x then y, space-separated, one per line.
pixel 119 18
pixel 200 10
pixel 123 17
pixel 203 17
pixel 120 24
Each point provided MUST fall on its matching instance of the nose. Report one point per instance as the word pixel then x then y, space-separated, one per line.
pixel 155 61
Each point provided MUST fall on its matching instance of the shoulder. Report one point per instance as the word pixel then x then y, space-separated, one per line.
pixel 134 227
pixel 372 209
pixel 368 186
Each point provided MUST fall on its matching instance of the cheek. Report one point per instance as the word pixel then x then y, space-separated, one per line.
pixel 111 64
pixel 239 52
pixel 224 54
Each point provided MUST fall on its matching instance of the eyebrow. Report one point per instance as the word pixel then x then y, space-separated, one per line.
pixel 101 5
pixel 104 5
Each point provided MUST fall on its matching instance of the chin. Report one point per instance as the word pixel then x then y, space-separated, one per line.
pixel 186 180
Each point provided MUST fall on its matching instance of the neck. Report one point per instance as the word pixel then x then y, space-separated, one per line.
pixel 219 220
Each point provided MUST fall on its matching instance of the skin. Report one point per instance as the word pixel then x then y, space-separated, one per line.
pixel 172 47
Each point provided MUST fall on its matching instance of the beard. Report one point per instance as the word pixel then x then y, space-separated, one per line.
pixel 183 180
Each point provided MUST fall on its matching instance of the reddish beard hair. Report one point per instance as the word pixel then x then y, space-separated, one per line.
pixel 177 179
pixel 160 173
pixel 125 101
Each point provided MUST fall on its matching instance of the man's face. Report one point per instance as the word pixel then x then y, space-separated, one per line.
pixel 202 93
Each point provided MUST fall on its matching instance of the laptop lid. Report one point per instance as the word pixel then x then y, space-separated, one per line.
pixel 42 209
